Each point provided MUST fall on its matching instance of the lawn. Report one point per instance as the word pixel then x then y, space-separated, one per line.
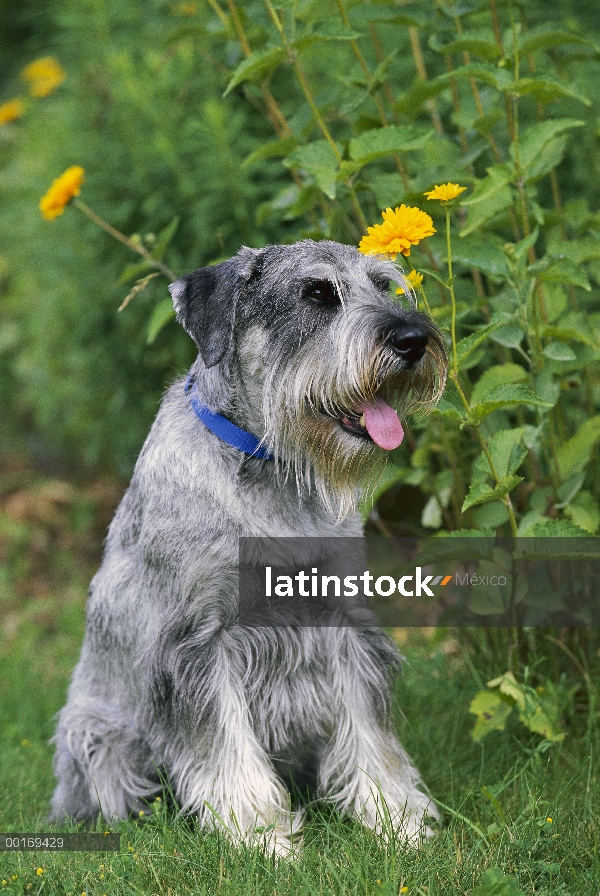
pixel 514 802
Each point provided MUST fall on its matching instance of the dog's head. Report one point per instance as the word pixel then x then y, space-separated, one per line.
pixel 316 354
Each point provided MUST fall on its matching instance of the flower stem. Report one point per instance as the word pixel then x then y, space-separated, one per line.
pixel 506 498
pixel 451 287
pixel 141 250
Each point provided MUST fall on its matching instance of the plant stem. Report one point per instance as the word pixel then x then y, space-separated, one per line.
pixel 135 247
pixel 306 90
pixel 451 287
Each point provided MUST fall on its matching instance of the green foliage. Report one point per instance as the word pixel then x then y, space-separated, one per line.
pixel 538 712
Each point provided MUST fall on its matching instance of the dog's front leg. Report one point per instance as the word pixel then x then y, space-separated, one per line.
pixel 218 768
pixel 364 770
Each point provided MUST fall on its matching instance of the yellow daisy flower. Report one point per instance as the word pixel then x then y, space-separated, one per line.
pixel 445 193
pixel 10 111
pixel 43 76
pixel 61 192
pixel 414 279
pixel 402 228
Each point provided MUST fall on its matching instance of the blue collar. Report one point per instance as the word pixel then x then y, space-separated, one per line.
pixel 223 428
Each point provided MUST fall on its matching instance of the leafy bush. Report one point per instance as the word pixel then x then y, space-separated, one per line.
pixel 369 106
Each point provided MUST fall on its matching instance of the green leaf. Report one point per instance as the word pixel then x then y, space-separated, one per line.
pixel 508 335
pixel 481 255
pixel 545 90
pixel 498 375
pixel 492 195
pixel 451 407
pixel 575 454
pixel 544 36
pixel 519 250
pixel 318 159
pixel 579 250
pixel 492 710
pixel 498 177
pixel 256 67
pixel 549 529
pixel 330 30
pixel 480 45
pixel 572 327
pixel 535 141
pixel 381 72
pixel 381 12
pixel 534 717
pixel 135 270
pixel 508 685
pixel 433 274
pixel 584 512
pixel 507 452
pixel 482 493
pixel 567 491
pixel 496 884
pixel 412 99
pixel 388 189
pixel 558 351
pixel 380 142
pixel 274 149
pixel 162 315
pixel 467 346
pixel 503 397
pixel 164 238
pixel 488 74
pixel 485 124
pixel 431 517
pixel 559 270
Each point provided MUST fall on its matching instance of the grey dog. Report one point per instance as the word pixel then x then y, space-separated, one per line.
pixel 303 349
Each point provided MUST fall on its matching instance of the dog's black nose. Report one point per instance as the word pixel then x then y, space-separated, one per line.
pixel 409 343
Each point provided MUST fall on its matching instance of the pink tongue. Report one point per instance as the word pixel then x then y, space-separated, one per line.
pixel 382 424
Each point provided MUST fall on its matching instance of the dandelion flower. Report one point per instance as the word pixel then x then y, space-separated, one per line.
pixel 43 76
pixel 445 193
pixel 414 280
pixel 10 111
pixel 39 871
pixel 402 228
pixel 61 192
pixel 549 820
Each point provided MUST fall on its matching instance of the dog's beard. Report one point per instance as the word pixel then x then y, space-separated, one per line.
pixel 309 393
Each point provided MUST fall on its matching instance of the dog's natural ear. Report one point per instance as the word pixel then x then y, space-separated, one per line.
pixel 205 302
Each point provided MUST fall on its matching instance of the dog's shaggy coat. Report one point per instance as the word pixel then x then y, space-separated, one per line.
pixel 293 341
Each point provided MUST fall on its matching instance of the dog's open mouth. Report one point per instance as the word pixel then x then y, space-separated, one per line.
pixel 375 422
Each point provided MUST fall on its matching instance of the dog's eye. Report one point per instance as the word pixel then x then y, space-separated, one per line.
pixel 381 283
pixel 322 292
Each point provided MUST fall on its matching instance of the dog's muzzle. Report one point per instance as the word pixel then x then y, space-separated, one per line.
pixel 409 342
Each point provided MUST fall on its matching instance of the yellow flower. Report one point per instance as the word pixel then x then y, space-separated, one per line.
pixel 414 280
pixel 10 111
pixel 446 193
pixel 39 871
pixel 43 76
pixel 61 192
pixel 549 820
pixel 402 228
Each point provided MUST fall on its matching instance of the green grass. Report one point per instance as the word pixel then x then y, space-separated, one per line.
pixel 498 795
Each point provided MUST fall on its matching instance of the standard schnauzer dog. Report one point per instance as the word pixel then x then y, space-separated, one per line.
pixel 285 418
